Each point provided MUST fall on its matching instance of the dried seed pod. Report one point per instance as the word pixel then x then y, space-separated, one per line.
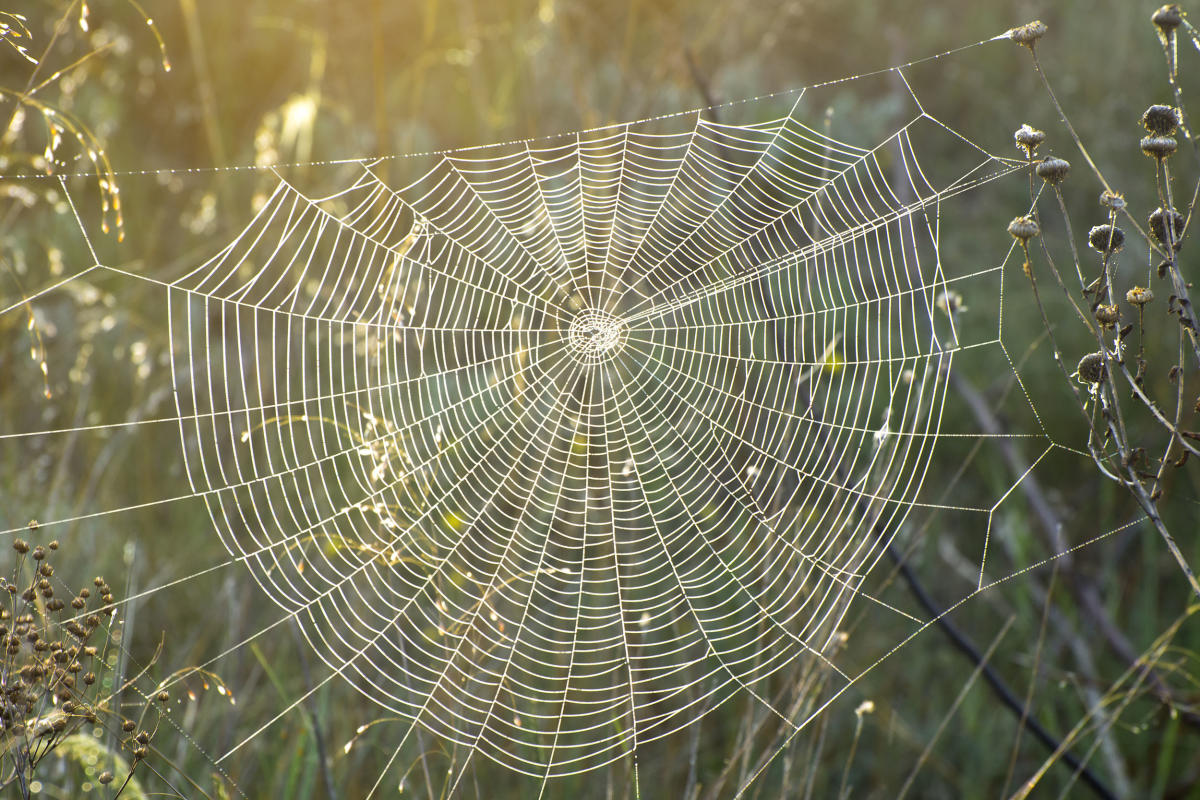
pixel 105 778
pixel 1028 138
pixel 39 553
pixel 128 725
pixel 1107 239
pixel 163 697
pixel 1053 170
pixel 1108 315
pixel 1023 228
pixel 1158 226
pixel 1159 147
pixel 1028 34
pixel 1114 201
pixel 1091 367
pixel 1161 120
pixel 21 546
pixel 1139 296
pixel 1167 18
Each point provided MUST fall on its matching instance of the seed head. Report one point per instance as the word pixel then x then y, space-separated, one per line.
pixel 1161 120
pixel 1158 226
pixel 1108 315
pixel 1028 138
pixel 1023 228
pixel 105 778
pixel 128 725
pixel 1053 170
pixel 1167 18
pixel 39 553
pixel 54 544
pixel 1107 239
pixel 1159 147
pixel 21 546
pixel 1028 34
pixel 163 697
pixel 1139 296
pixel 1114 201
pixel 1091 367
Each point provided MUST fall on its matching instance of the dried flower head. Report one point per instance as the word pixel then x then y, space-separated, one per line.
pixel 1108 315
pixel 1139 296
pixel 1159 147
pixel 1053 170
pixel 1023 228
pixel 1028 34
pixel 1028 138
pixel 1114 201
pixel 1107 239
pixel 1158 226
pixel 1161 120
pixel 1167 18
pixel 1091 367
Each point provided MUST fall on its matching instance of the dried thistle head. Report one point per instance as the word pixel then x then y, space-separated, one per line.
pixel 1091 368
pixel 1139 296
pixel 1161 120
pixel 1027 35
pixel 1108 316
pixel 1023 228
pixel 1167 18
pixel 1159 147
pixel 1159 222
pixel 1113 201
pixel 1053 170
pixel 1028 138
pixel 1106 239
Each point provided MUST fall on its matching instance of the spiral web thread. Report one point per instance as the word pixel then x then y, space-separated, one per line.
pixel 561 445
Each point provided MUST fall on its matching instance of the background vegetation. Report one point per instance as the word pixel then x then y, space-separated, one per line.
pixel 274 82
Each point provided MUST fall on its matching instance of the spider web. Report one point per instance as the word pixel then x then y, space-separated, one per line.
pixel 560 446
pixel 550 450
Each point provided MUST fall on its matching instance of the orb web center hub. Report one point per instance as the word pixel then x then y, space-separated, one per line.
pixel 594 335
